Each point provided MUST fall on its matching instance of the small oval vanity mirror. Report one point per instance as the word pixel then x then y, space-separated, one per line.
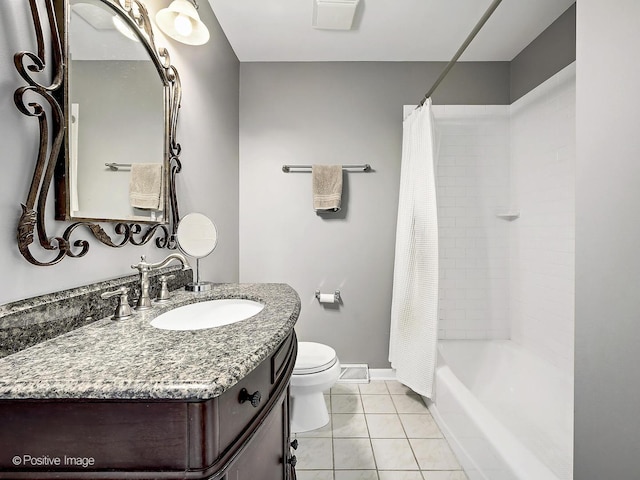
pixel 197 237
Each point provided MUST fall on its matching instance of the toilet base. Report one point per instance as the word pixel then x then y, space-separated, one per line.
pixel 309 412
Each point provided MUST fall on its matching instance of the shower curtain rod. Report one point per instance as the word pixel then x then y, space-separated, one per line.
pixel 462 48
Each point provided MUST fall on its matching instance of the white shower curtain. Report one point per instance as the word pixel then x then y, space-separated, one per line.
pixel 414 306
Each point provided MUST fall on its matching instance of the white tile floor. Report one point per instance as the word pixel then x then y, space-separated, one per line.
pixel 377 431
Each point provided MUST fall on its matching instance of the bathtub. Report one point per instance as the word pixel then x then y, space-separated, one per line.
pixel 507 414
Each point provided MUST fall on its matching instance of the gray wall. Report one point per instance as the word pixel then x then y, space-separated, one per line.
pixel 208 132
pixel 607 378
pixel 305 113
pixel 550 52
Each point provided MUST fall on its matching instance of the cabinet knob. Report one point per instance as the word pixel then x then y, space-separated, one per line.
pixel 254 397
pixel 292 460
pixel 294 444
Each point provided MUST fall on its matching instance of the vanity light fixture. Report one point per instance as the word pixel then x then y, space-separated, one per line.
pixel 181 21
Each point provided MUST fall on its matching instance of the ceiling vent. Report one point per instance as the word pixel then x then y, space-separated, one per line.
pixel 95 16
pixel 334 14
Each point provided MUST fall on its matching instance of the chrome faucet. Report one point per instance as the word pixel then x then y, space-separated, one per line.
pixel 144 301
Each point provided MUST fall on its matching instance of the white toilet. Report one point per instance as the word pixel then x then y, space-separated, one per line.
pixel 316 370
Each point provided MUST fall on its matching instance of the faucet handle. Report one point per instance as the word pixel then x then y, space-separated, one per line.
pixel 123 309
pixel 142 264
pixel 163 295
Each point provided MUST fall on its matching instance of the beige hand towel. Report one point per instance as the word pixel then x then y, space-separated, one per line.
pixel 327 187
pixel 146 186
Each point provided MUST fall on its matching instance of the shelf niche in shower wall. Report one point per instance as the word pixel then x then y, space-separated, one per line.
pixel 508 216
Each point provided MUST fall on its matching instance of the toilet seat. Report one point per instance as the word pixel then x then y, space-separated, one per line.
pixel 313 358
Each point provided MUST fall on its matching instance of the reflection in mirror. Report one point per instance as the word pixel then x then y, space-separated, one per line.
pixel 116 100
pixel 197 237
pixel 154 148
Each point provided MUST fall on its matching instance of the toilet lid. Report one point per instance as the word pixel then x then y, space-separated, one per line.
pixel 313 358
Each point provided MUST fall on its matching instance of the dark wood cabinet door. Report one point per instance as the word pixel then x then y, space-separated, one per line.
pixel 267 456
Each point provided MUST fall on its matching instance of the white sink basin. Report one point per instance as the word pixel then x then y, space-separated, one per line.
pixel 210 314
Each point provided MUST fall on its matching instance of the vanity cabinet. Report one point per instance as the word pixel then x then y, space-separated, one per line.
pixel 241 434
pixel 263 456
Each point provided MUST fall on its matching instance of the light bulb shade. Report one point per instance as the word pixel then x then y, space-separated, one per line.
pixel 166 20
pixel 183 26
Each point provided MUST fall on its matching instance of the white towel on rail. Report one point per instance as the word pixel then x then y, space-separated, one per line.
pixel 327 187
pixel 414 306
pixel 146 186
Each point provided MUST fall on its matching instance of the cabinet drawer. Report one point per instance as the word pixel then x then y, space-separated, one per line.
pixel 109 435
pixel 235 415
pixel 279 358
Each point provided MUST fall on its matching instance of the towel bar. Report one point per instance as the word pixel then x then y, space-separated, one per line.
pixel 117 166
pixel 364 167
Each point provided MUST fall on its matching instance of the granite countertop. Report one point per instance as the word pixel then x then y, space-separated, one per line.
pixel 130 359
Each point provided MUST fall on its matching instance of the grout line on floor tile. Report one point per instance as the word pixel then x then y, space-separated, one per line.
pixel 404 430
pixel 373 453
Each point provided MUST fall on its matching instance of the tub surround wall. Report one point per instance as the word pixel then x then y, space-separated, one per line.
pixel 542 240
pixel 33 320
pixel 208 182
pixel 472 177
pixel 500 278
pixel 526 285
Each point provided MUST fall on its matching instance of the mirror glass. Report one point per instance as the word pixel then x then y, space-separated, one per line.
pixel 197 237
pixel 116 105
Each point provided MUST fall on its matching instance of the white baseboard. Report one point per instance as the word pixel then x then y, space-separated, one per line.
pixel 382 374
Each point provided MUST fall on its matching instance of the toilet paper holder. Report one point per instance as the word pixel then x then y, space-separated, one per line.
pixel 336 296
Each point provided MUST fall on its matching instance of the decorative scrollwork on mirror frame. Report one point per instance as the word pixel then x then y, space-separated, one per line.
pixel 32 220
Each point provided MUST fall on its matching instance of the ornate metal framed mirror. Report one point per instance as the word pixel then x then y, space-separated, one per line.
pixel 107 123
